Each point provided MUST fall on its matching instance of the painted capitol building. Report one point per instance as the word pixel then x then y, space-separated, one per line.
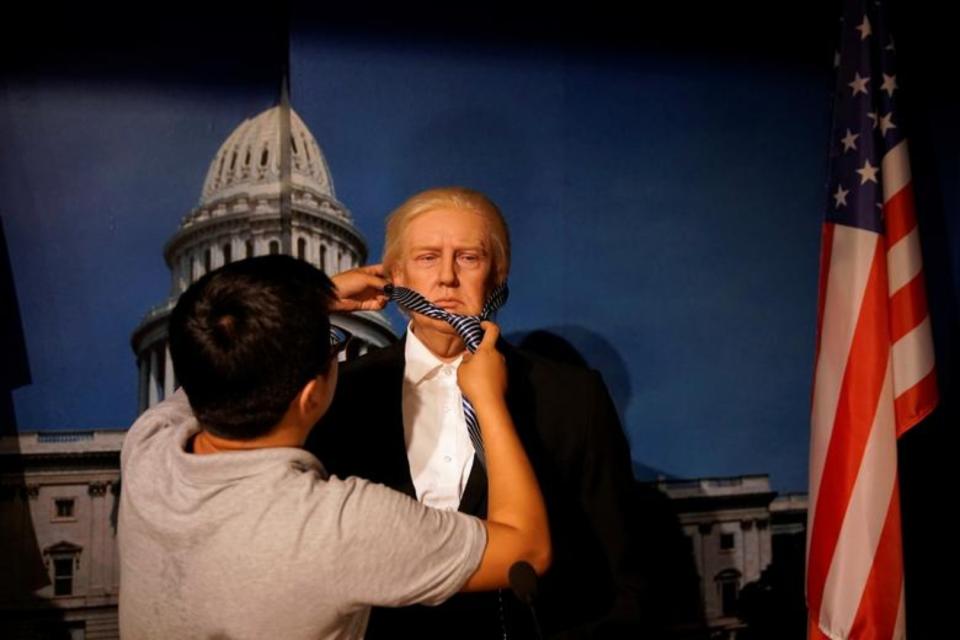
pixel 239 216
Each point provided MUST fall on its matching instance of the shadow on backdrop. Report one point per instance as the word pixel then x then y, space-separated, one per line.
pixel 22 570
pixel 672 602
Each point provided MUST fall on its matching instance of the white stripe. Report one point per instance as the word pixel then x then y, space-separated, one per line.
pixel 863 522
pixel 912 357
pixel 895 170
pixel 851 256
pixel 904 261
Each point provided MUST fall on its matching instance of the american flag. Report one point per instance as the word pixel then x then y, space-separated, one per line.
pixel 874 375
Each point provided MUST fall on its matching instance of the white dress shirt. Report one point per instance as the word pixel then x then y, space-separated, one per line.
pixel 438 446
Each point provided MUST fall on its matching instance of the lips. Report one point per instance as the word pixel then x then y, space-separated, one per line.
pixel 446 303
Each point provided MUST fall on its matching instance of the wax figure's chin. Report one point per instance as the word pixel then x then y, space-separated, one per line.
pixel 439 326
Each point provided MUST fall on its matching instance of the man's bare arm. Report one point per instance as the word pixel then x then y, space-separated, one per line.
pixel 517 527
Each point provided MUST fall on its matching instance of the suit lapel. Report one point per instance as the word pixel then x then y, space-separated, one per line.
pixel 395 445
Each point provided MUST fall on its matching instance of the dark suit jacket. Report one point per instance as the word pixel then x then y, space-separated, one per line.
pixel 569 427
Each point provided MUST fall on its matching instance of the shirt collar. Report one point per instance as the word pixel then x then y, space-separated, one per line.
pixel 420 361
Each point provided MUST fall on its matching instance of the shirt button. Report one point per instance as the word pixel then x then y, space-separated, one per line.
pixel 447 459
pixel 447 371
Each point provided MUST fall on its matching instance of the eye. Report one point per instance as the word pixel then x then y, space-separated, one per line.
pixel 469 258
pixel 426 258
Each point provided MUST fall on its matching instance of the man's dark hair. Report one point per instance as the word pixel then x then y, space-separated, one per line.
pixel 247 337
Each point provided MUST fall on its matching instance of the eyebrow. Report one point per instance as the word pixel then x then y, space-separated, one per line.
pixel 430 247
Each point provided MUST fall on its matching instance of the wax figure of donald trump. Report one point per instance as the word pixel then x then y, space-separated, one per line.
pixel 398 418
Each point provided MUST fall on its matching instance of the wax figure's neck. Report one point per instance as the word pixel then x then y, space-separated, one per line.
pixel 446 346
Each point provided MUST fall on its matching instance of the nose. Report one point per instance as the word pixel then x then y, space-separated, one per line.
pixel 448 271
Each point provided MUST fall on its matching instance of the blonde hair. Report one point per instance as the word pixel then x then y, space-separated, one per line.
pixel 456 198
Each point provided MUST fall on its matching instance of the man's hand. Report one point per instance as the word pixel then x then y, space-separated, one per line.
pixel 360 289
pixel 483 375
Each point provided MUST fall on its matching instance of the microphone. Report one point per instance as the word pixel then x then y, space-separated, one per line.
pixel 524 583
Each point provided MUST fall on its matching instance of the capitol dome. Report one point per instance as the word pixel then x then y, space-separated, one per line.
pixel 242 213
pixel 249 160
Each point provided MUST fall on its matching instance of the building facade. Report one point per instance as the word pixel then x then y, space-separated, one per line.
pixel 742 548
pixel 59 493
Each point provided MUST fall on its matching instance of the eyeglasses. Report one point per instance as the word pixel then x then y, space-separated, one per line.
pixel 339 339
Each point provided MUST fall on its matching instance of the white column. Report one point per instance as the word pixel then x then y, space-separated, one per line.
pixel 168 372
pixel 766 535
pixel 143 364
pixel 196 266
pixel 111 574
pixel 174 278
pixel 94 561
pixel 751 552
pixel 113 550
pixel 709 585
pixel 183 280
pixel 154 388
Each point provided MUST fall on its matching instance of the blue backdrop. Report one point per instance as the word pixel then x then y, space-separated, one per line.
pixel 664 193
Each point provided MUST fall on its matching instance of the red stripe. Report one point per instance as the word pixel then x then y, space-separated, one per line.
pixel 908 308
pixel 916 403
pixel 877 613
pixel 826 251
pixel 856 408
pixel 899 214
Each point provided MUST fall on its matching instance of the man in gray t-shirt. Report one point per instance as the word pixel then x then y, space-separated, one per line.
pixel 228 529
pixel 212 542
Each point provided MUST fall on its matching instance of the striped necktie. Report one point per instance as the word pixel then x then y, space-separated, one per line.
pixel 469 329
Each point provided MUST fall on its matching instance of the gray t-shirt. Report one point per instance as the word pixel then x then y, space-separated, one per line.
pixel 262 544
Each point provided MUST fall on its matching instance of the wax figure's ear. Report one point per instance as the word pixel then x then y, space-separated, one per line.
pixel 396 274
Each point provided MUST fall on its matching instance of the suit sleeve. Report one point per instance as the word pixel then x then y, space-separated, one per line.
pixel 608 496
pixel 332 440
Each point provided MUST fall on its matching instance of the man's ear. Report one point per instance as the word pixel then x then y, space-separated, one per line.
pixel 305 399
pixel 312 394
